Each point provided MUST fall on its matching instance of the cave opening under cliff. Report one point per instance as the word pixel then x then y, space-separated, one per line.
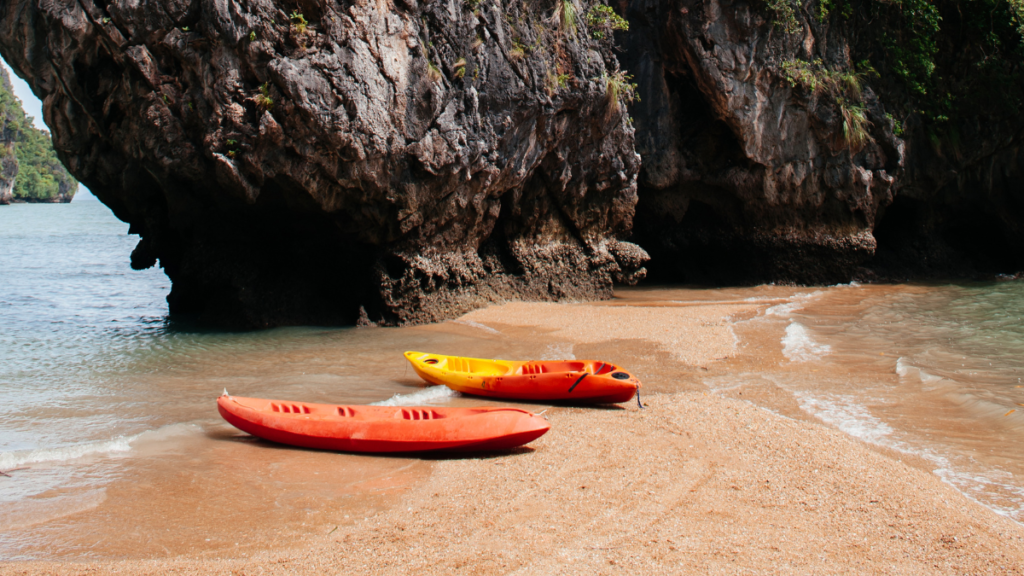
pixel 278 261
pixel 922 239
pixel 690 226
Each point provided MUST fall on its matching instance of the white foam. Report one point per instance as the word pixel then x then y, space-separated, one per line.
pixel 855 420
pixel 18 458
pixel 846 415
pixel 424 396
pixel 472 324
pixel 21 457
pixel 798 346
pixel 783 309
pixel 904 369
pixel 796 303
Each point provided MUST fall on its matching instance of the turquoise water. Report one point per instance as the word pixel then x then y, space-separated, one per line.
pixel 99 387
pixel 934 371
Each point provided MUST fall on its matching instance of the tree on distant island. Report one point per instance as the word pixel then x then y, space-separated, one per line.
pixel 29 168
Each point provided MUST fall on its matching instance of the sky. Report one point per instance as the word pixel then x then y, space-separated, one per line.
pixel 34 108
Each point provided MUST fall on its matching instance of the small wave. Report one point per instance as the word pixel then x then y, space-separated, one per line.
pixel 424 396
pixel 795 303
pixel 798 346
pixel 995 488
pixel 17 458
pixel 904 369
pixel 981 487
pixel 846 415
pixel 476 325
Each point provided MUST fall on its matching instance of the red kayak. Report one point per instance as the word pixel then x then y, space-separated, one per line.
pixel 382 428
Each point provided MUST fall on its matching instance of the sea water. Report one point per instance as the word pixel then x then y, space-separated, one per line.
pixel 114 448
pixel 931 371
pixel 107 406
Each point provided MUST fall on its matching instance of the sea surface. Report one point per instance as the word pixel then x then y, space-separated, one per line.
pixel 109 433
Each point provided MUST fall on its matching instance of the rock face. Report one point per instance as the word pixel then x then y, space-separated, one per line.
pixel 747 175
pixel 327 162
pixel 770 155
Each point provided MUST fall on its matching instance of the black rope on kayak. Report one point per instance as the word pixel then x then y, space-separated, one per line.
pixel 585 374
pixel 638 403
pixel 598 371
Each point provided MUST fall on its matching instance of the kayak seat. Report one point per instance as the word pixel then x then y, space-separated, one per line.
pixel 473 366
pixel 531 369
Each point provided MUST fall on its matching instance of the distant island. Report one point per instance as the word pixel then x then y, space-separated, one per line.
pixel 29 168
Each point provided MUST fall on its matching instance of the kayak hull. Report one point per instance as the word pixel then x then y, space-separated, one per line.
pixel 583 381
pixel 380 429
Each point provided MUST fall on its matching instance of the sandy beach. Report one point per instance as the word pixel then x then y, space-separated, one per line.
pixel 697 482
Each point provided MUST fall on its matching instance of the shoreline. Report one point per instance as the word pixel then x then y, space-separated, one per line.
pixel 702 480
pixel 694 483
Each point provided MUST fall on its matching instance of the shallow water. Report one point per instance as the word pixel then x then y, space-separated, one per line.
pixel 929 371
pixel 109 423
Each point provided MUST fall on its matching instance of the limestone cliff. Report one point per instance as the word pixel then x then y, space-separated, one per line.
pixel 403 161
pixel 768 137
pixel 323 162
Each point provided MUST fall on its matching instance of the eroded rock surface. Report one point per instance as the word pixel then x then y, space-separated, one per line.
pixel 327 162
pixel 747 177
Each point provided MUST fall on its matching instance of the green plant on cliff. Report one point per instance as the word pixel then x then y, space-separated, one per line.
pixel 41 177
pixel 555 81
pixel 855 124
pixel 816 78
pixel 602 20
pixel 518 51
pixel 619 89
pixel 1017 9
pixel 565 12
pixel 944 62
pixel 785 15
pixel 825 8
pixel 263 99
pixel 299 23
pixel 844 87
pixel 433 72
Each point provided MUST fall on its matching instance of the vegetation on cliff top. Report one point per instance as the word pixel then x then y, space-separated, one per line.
pixel 939 62
pixel 40 175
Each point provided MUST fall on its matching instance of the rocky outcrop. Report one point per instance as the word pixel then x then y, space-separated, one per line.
pixel 751 173
pixel 328 162
pixel 8 172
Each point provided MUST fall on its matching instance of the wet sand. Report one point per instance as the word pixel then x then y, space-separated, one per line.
pixel 695 483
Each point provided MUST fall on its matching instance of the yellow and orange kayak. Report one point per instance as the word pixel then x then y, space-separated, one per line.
pixel 588 381
pixel 382 428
